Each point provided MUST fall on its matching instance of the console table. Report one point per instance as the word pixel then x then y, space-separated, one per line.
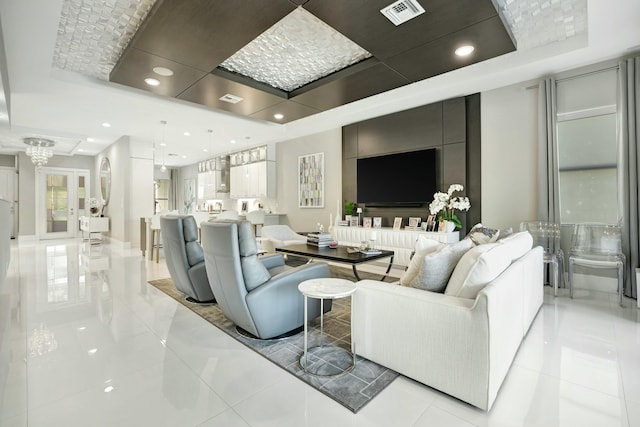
pixel 401 242
pixel 94 225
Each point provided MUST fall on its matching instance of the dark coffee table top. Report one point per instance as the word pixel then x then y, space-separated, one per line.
pixel 339 254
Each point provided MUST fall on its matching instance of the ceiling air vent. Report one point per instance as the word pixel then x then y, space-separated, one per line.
pixel 402 11
pixel 232 99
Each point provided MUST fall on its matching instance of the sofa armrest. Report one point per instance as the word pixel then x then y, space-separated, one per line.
pixel 460 346
pixel 292 278
pixel 272 260
pixel 437 339
pixel 281 295
pixel 200 282
pixel 512 301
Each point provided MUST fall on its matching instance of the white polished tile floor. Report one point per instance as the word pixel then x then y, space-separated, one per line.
pixel 85 341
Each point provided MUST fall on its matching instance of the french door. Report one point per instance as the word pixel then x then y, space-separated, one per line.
pixel 62 198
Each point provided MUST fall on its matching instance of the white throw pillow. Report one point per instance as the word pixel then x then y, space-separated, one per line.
pixel 423 246
pixel 436 267
pixel 484 263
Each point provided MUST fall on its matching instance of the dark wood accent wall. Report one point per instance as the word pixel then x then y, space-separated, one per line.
pixel 452 127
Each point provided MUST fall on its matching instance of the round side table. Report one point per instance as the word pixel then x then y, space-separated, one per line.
pixel 325 288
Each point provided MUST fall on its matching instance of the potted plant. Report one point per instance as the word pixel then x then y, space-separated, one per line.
pixel 349 207
pixel 445 206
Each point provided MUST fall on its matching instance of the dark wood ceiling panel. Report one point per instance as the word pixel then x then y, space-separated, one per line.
pixel 489 38
pixel 368 82
pixel 290 109
pixel 192 37
pixel 139 66
pixel 203 33
pixel 209 90
pixel 362 22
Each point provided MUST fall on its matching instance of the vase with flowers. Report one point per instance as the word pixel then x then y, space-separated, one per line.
pixel 445 205
pixel 94 206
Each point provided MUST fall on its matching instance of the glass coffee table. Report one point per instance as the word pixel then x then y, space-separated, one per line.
pixel 327 361
pixel 341 254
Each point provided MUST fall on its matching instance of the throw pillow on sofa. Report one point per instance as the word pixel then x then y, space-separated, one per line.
pixel 484 263
pixel 481 235
pixel 436 267
pixel 422 247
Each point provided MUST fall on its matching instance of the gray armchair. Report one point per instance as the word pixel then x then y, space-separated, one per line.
pixel 259 295
pixel 185 258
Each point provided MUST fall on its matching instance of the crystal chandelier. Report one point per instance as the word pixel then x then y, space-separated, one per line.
pixel 39 149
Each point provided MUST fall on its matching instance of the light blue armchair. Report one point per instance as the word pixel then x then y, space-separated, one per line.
pixel 184 256
pixel 259 295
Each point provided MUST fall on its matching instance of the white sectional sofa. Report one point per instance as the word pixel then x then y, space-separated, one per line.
pixel 460 346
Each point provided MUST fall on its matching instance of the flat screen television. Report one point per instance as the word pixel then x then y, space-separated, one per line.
pixel 397 179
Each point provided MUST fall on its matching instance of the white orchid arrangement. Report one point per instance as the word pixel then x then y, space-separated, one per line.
pixel 444 205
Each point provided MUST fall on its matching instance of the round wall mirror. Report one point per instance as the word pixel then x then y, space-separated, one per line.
pixel 105 180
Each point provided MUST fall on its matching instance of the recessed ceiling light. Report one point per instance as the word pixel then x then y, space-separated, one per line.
pixel 464 50
pixel 205 150
pixel 162 144
pixel 233 141
pixel 187 134
pixel 184 156
pixel 152 82
pixel 92 351
pixel 90 140
pixel 106 125
pixel 108 389
pixel 278 116
pixel 80 150
pixel 163 71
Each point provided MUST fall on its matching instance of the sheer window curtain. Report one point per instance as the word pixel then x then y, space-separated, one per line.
pixel 628 135
pixel 548 172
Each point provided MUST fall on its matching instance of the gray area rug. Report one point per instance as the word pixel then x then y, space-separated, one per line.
pixel 352 390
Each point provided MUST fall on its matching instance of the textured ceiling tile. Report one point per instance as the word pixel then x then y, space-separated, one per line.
pixel 297 50
pixel 93 34
pixel 541 22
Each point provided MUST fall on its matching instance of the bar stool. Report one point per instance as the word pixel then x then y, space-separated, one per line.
pixel 156 241
pixel 257 219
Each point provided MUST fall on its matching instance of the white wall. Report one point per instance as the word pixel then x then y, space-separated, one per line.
pixel 131 188
pixel 287 153
pixel 141 197
pixel 509 120
pixel 117 208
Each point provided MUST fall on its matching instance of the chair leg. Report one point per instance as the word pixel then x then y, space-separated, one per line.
pixel 560 260
pixel 153 233
pixel 158 248
pixel 570 278
pixel 554 276
pixel 620 282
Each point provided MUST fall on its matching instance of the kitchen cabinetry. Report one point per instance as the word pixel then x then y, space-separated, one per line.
pixel 253 180
pixel 207 186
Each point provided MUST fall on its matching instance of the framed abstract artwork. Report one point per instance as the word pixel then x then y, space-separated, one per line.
pixel 311 181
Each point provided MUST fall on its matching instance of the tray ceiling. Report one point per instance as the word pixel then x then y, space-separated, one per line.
pixel 194 37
